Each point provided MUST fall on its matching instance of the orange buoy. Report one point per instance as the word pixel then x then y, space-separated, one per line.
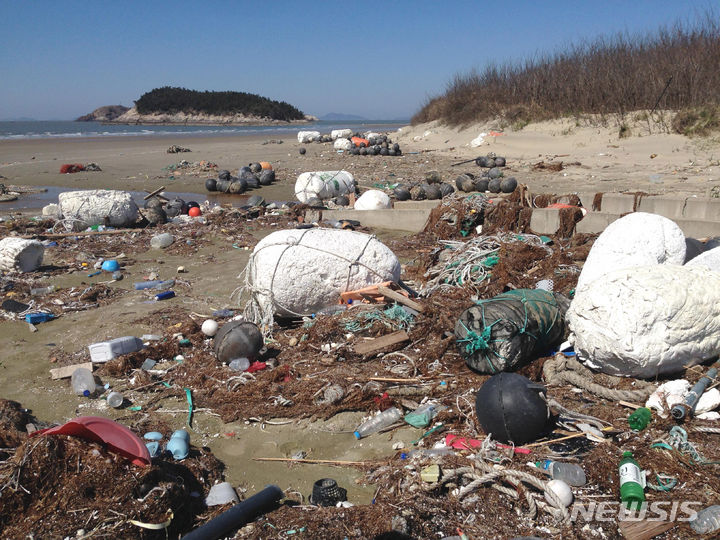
pixel 266 166
pixel 194 212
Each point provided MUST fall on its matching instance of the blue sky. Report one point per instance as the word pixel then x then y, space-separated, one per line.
pixel 381 60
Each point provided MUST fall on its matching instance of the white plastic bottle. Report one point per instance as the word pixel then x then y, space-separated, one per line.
pixel 115 399
pixel 571 474
pixel 379 421
pixel 83 382
pixel 707 520
pixel 162 240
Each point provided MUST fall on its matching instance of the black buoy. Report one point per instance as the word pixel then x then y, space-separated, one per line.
pixel 391 152
pixel 499 161
pixel 401 193
pixel 267 177
pixel 211 184
pixel 494 185
pixel 256 200
pixel 495 173
pixel 465 182
pixel 508 185
pixel 384 151
pixel 175 208
pixel 510 407
pixel 481 185
pixel 193 204
pixel 302 151
pixel 238 339
pixel 255 167
pixel 432 177
pixel 446 189
pixel 224 175
pixel 432 191
pixel 242 170
pixel 237 187
pixel 252 181
pixel 341 200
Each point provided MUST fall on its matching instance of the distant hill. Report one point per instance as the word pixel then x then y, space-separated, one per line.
pixel 108 113
pixel 334 117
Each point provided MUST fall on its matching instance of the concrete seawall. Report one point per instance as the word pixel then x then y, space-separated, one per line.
pixel 697 217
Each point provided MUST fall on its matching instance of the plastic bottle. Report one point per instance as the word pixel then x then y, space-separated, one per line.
pixel 162 240
pixel 140 285
pixel 115 399
pixel 632 482
pixel 639 419
pixel 378 422
pixel 163 285
pixel 571 474
pixel 38 317
pixel 239 364
pixel 427 452
pixel 42 290
pixel 83 382
pixel 707 520
pixel 165 295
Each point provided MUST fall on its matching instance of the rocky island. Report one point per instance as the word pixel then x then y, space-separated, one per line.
pixel 180 106
pixel 108 113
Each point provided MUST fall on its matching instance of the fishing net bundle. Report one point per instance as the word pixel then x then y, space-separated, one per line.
pixel 507 331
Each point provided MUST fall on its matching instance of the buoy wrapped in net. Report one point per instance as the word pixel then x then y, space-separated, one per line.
pixel 295 273
pixel 507 331
pixel 20 255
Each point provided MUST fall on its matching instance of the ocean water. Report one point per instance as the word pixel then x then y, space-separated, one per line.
pixel 68 129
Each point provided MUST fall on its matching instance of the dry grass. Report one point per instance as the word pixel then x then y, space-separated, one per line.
pixel 676 68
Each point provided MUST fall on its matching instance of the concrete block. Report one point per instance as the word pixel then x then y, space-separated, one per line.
pixel 400 220
pixel 545 220
pixel 595 222
pixel 416 205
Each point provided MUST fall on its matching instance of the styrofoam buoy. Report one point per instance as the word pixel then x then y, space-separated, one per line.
pixel 561 490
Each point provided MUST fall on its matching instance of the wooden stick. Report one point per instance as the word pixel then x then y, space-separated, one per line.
pixel 84 233
pixel 574 436
pixel 628 404
pixel 314 461
pixel 390 379
pixel 400 298
pixel 153 193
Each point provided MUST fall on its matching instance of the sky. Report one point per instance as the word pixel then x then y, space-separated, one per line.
pixel 60 59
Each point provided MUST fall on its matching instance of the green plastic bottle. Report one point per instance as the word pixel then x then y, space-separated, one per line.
pixel 632 482
pixel 639 419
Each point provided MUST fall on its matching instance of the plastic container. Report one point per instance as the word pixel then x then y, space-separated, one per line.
pixel 239 364
pixel 163 285
pixel 639 419
pixel 326 492
pixel 571 474
pixel 107 350
pixel 162 240
pixel 42 290
pixel 115 399
pixel 379 421
pixel 83 382
pixel 179 444
pixel 632 482
pixel 427 452
pixel 707 520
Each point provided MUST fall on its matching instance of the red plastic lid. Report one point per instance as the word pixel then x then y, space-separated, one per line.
pixel 116 437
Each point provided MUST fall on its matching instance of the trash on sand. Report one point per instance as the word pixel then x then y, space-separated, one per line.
pixel 99 207
pixel 692 399
pixel 667 320
pixel 378 422
pixel 222 493
pixel 297 273
pixel 373 199
pixel 116 437
pixel 511 408
pixel 238 339
pixel 326 492
pixel 107 350
pixel 38 317
pixel 209 327
pixel 179 444
pixel 20 255
pixel 639 419
pixel 632 482
pixel 323 185
pixel 83 382
pixel 637 239
pixel 505 332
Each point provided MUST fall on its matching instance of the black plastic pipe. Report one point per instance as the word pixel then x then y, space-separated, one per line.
pixel 238 516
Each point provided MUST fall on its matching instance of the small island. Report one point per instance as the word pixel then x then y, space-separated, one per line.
pixel 180 106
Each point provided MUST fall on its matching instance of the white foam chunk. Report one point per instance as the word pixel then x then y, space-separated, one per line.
pixel 99 207
pixel 373 199
pixel 20 255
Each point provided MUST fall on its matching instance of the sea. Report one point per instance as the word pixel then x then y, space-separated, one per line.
pixel 40 129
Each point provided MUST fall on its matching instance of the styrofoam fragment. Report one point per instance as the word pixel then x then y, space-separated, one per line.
pixel 20 255
pixel 341 133
pixel 373 199
pixel 298 272
pixel 308 136
pixel 647 321
pixel 638 239
pixel 99 207
pixel 342 144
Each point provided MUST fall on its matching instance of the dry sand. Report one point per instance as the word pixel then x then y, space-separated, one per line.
pixel 594 159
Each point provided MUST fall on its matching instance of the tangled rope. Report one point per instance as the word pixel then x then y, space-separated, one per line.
pixel 567 370
pixel 470 262
pixel 510 482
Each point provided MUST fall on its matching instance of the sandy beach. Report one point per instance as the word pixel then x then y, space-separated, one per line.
pixel 593 159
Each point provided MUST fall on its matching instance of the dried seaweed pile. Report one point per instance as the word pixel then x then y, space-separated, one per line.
pixel 55 486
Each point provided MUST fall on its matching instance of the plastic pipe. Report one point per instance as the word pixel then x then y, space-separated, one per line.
pixel 688 405
pixel 238 516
